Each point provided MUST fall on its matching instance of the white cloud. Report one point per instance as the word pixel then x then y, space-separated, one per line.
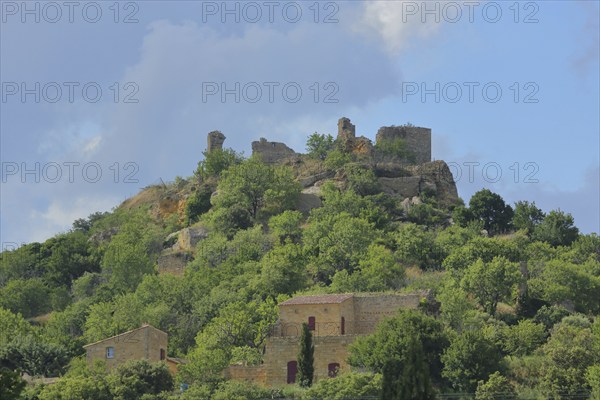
pixel 397 23
pixel 60 214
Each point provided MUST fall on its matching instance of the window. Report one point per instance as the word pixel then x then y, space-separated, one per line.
pixel 332 369
pixel 343 326
pixel 110 352
pixel 311 323
pixel 163 354
pixel 292 369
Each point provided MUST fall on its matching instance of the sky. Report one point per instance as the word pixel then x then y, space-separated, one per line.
pixel 101 99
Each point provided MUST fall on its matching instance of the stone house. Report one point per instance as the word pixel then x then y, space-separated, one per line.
pixel 336 320
pixel 143 343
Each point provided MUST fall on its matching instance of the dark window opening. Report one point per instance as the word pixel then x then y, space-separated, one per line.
pixel 343 326
pixel 163 354
pixel 311 323
pixel 332 369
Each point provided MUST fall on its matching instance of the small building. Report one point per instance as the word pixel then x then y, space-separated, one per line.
pixel 336 320
pixel 143 343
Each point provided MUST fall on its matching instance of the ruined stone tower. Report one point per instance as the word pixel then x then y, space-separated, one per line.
pixel 215 141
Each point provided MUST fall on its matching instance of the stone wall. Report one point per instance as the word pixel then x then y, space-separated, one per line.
pixel 418 140
pixel 215 141
pixel 328 350
pixel 369 310
pixel 256 374
pixel 271 152
pixel 327 317
pixel 139 344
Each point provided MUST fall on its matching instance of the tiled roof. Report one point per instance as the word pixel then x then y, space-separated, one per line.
pixel 318 299
pixel 124 333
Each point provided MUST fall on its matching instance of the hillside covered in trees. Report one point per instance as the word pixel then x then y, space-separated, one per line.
pixel 517 290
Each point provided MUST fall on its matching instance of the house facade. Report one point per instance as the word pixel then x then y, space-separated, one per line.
pixel 144 343
pixel 336 320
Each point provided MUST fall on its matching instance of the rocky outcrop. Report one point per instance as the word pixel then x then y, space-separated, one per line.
pixel 215 141
pixel 271 152
pixel 173 262
pixel 187 238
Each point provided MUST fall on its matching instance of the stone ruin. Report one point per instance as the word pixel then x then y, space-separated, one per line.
pixel 271 152
pixel 417 140
pixel 215 141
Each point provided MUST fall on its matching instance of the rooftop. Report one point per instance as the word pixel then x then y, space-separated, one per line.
pixel 144 326
pixel 318 299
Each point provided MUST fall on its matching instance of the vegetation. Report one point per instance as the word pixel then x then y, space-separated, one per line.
pixel 513 309
pixel 306 368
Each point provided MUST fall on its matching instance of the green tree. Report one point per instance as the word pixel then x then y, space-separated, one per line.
pixel 527 216
pixel 136 378
pixel 392 341
pixel 306 357
pixel 217 161
pixel 28 297
pixel 11 384
pixel 497 387
pixel 491 282
pixel 287 225
pixel 131 253
pixel 257 187
pixel 197 203
pixel 568 353
pixel 414 245
pixel 319 145
pixel 337 242
pixel 557 228
pixel 378 270
pixel 525 337
pixel 408 378
pixel 336 159
pixel 491 209
pixel 348 385
pixel 470 358
pixel 12 325
pixel 593 379
pixel 561 281
pixel 361 179
pixel 69 257
pixel 34 356
pixel 395 148
pixel 283 271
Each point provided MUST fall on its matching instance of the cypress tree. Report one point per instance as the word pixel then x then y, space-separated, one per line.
pixel 306 357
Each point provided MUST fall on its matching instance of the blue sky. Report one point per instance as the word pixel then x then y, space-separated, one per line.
pixel 510 90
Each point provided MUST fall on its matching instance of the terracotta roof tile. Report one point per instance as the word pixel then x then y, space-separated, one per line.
pixel 318 299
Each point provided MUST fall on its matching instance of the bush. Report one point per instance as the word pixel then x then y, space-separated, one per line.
pixel 346 386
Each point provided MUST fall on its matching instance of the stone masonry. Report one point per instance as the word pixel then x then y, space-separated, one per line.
pixel 144 343
pixel 336 320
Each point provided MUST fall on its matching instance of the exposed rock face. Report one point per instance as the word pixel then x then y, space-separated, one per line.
pixel 418 140
pixel 215 141
pixel 187 238
pixel 271 152
pixel 408 181
pixel 308 200
pixel 173 262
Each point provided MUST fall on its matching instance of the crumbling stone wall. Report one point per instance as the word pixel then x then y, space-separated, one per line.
pixel 418 140
pixel 215 141
pixel 271 152
pixel 348 141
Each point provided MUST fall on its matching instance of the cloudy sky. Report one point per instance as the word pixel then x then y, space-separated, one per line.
pixel 100 99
